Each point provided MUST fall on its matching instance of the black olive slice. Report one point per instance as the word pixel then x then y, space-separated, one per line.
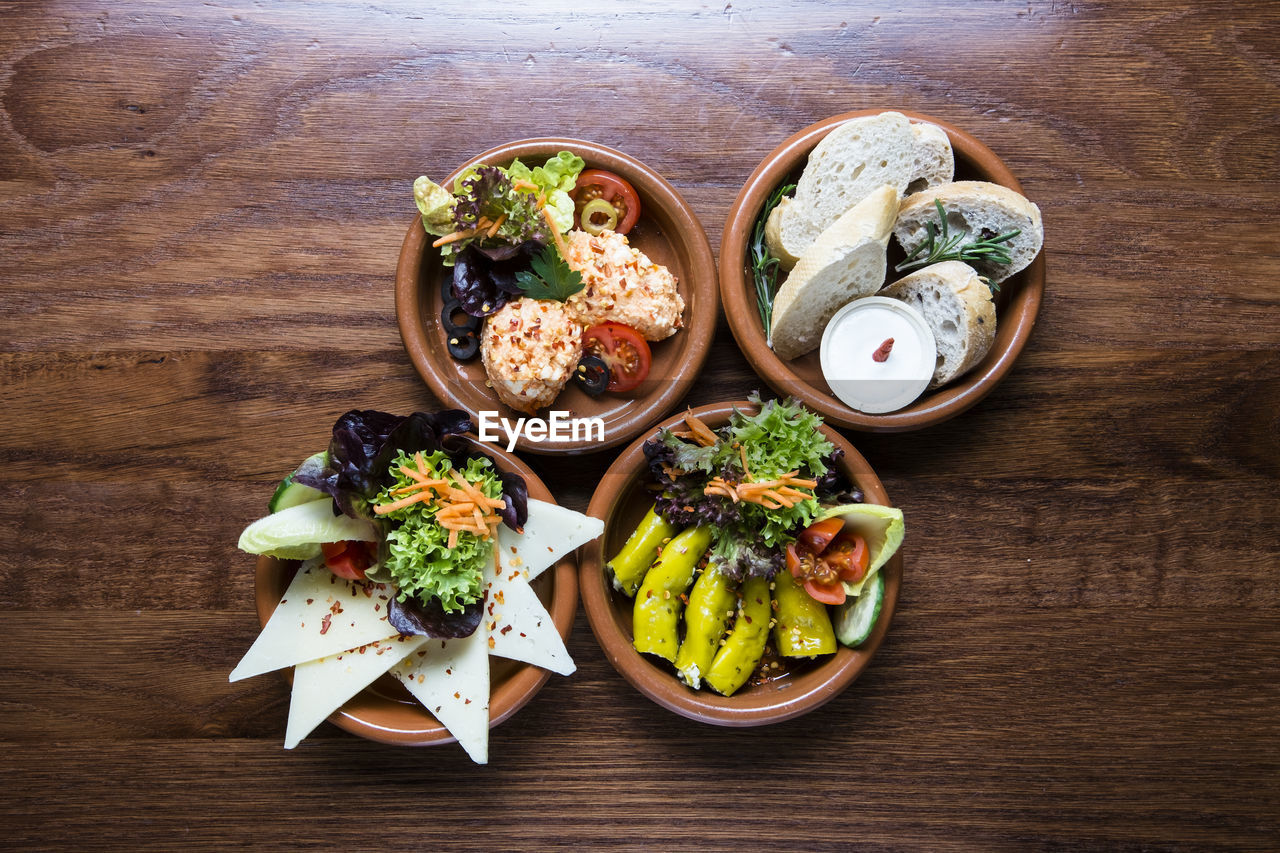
pixel 464 346
pixel 455 320
pixel 591 374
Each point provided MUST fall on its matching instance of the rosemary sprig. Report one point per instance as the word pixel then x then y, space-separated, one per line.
pixel 941 245
pixel 764 266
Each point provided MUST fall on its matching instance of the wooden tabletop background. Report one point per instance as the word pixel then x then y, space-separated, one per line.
pixel 200 211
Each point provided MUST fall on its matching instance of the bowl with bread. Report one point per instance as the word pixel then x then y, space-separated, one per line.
pixel 884 268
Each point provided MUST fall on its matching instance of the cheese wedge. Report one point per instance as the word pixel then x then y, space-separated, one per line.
pixel 451 680
pixel 319 615
pixel 324 685
pixel 519 626
pixel 550 532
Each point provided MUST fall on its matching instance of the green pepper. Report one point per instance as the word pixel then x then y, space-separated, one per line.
pixel 711 603
pixel 637 554
pixel 656 615
pixel 802 627
pixel 741 652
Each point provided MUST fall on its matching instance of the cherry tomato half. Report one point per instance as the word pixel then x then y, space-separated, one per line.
pixel 624 351
pixel 597 183
pixel 848 556
pixel 348 559
pixel 818 535
pixel 827 593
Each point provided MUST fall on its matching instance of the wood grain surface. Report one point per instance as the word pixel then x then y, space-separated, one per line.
pixel 200 211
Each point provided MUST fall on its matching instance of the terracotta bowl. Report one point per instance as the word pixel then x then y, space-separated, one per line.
pixel 667 231
pixel 385 711
pixel 620 502
pixel 1017 303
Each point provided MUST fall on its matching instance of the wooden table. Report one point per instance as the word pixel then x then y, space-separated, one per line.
pixel 202 206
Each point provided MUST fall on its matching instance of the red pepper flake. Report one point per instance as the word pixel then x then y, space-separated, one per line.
pixel 449 671
pixel 513 549
pixel 457 696
pixel 324 623
pixel 309 600
pixel 882 354
pixel 505 630
pixel 523 634
pixel 490 608
pixel 491 643
pixel 467 702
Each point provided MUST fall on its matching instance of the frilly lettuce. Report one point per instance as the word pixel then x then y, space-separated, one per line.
pixel 419 558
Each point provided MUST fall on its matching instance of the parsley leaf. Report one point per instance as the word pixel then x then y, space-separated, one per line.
pixel 552 278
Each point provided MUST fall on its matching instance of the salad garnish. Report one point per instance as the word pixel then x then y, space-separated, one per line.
pixel 434 502
pixel 754 481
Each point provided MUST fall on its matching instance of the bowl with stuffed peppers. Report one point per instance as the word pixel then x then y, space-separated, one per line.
pixel 749 566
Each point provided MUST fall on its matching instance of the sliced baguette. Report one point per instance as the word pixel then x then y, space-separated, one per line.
pixel 847 261
pixel 935 162
pixel 957 305
pixel 846 166
pixel 976 208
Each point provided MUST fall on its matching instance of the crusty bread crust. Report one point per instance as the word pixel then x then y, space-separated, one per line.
pixel 975 207
pixel 847 261
pixel 847 165
pixel 957 305
pixel 935 162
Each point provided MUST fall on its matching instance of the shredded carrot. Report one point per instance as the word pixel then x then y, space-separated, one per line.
pixel 496 225
pixel 455 237
pixel 555 235
pixel 701 432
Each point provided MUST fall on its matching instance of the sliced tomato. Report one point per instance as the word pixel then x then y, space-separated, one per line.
pixel 624 351
pixel 824 557
pixel 827 593
pixel 349 559
pixel 818 535
pixel 848 557
pixel 597 183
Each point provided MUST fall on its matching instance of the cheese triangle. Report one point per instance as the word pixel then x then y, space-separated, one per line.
pixel 549 533
pixel 322 686
pixel 320 614
pixel 451 680
pixel 519 626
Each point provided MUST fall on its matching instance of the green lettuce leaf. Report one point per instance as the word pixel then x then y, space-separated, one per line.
pixel 554 179
pixel 435 203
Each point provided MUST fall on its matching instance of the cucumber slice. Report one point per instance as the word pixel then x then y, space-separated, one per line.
pixel 289 493
pixel 856 618
pixel 296 533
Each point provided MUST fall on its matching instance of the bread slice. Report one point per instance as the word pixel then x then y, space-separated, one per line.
pixel 773 235
pixel 935 162
pixel 957 305
pixel 854 159
pixel 845 262
pixel 975 208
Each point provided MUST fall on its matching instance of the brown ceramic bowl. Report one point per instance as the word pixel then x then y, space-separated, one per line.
pixel 1017 303
pixel 620 502
pixel 667 231
pixel 386 712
